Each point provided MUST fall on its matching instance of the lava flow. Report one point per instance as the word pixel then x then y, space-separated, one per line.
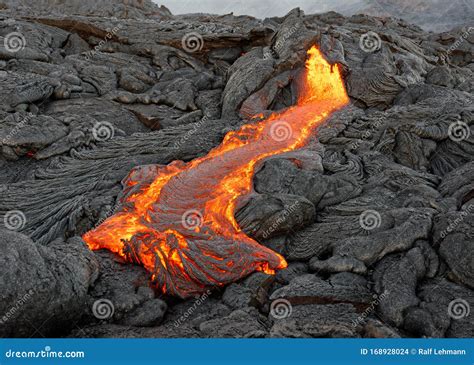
pixel 178 220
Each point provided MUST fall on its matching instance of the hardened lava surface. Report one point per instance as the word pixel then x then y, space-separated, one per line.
pixel 178 220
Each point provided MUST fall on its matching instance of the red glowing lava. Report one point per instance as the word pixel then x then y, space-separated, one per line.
pixel 178 220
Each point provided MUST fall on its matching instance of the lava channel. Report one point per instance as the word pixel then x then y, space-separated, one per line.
pixel 178 220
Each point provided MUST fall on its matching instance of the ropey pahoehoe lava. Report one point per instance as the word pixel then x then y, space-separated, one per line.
pixel 178 220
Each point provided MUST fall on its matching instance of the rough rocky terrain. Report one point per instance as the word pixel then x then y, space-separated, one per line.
pixel 375 216
pixel 431 15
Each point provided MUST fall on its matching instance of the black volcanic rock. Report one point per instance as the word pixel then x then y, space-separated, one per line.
pixel 340 288
pixel 266 216
pixel 373 215
pixel 44 288
pixel 332 320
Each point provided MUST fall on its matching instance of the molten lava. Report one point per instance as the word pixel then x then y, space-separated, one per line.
pixel 178 220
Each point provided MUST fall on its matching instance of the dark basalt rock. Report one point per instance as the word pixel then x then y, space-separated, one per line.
pixel 393 230
pixel 396 279
pixel 340 288
pixel 151 313
pixel 457 247
pixel 246 75
pixel 401 154
pixel 189 314
pixel 44 288
pixel 252 292
pixel 374 328
pixel 337 264
pixel 293 270
pixel 246 323
pixel 443 310
pixel 284 176
pixel 266 216
pixel 132 300
pixel 332 320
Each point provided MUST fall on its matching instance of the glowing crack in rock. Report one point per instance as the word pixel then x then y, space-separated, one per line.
pixel 178 220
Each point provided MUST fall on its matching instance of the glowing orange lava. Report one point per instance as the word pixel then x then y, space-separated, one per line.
pixel 178 220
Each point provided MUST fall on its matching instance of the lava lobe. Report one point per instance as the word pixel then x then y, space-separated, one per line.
pixel 178 220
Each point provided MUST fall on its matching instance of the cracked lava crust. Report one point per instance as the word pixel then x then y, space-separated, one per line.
pixel 178 220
